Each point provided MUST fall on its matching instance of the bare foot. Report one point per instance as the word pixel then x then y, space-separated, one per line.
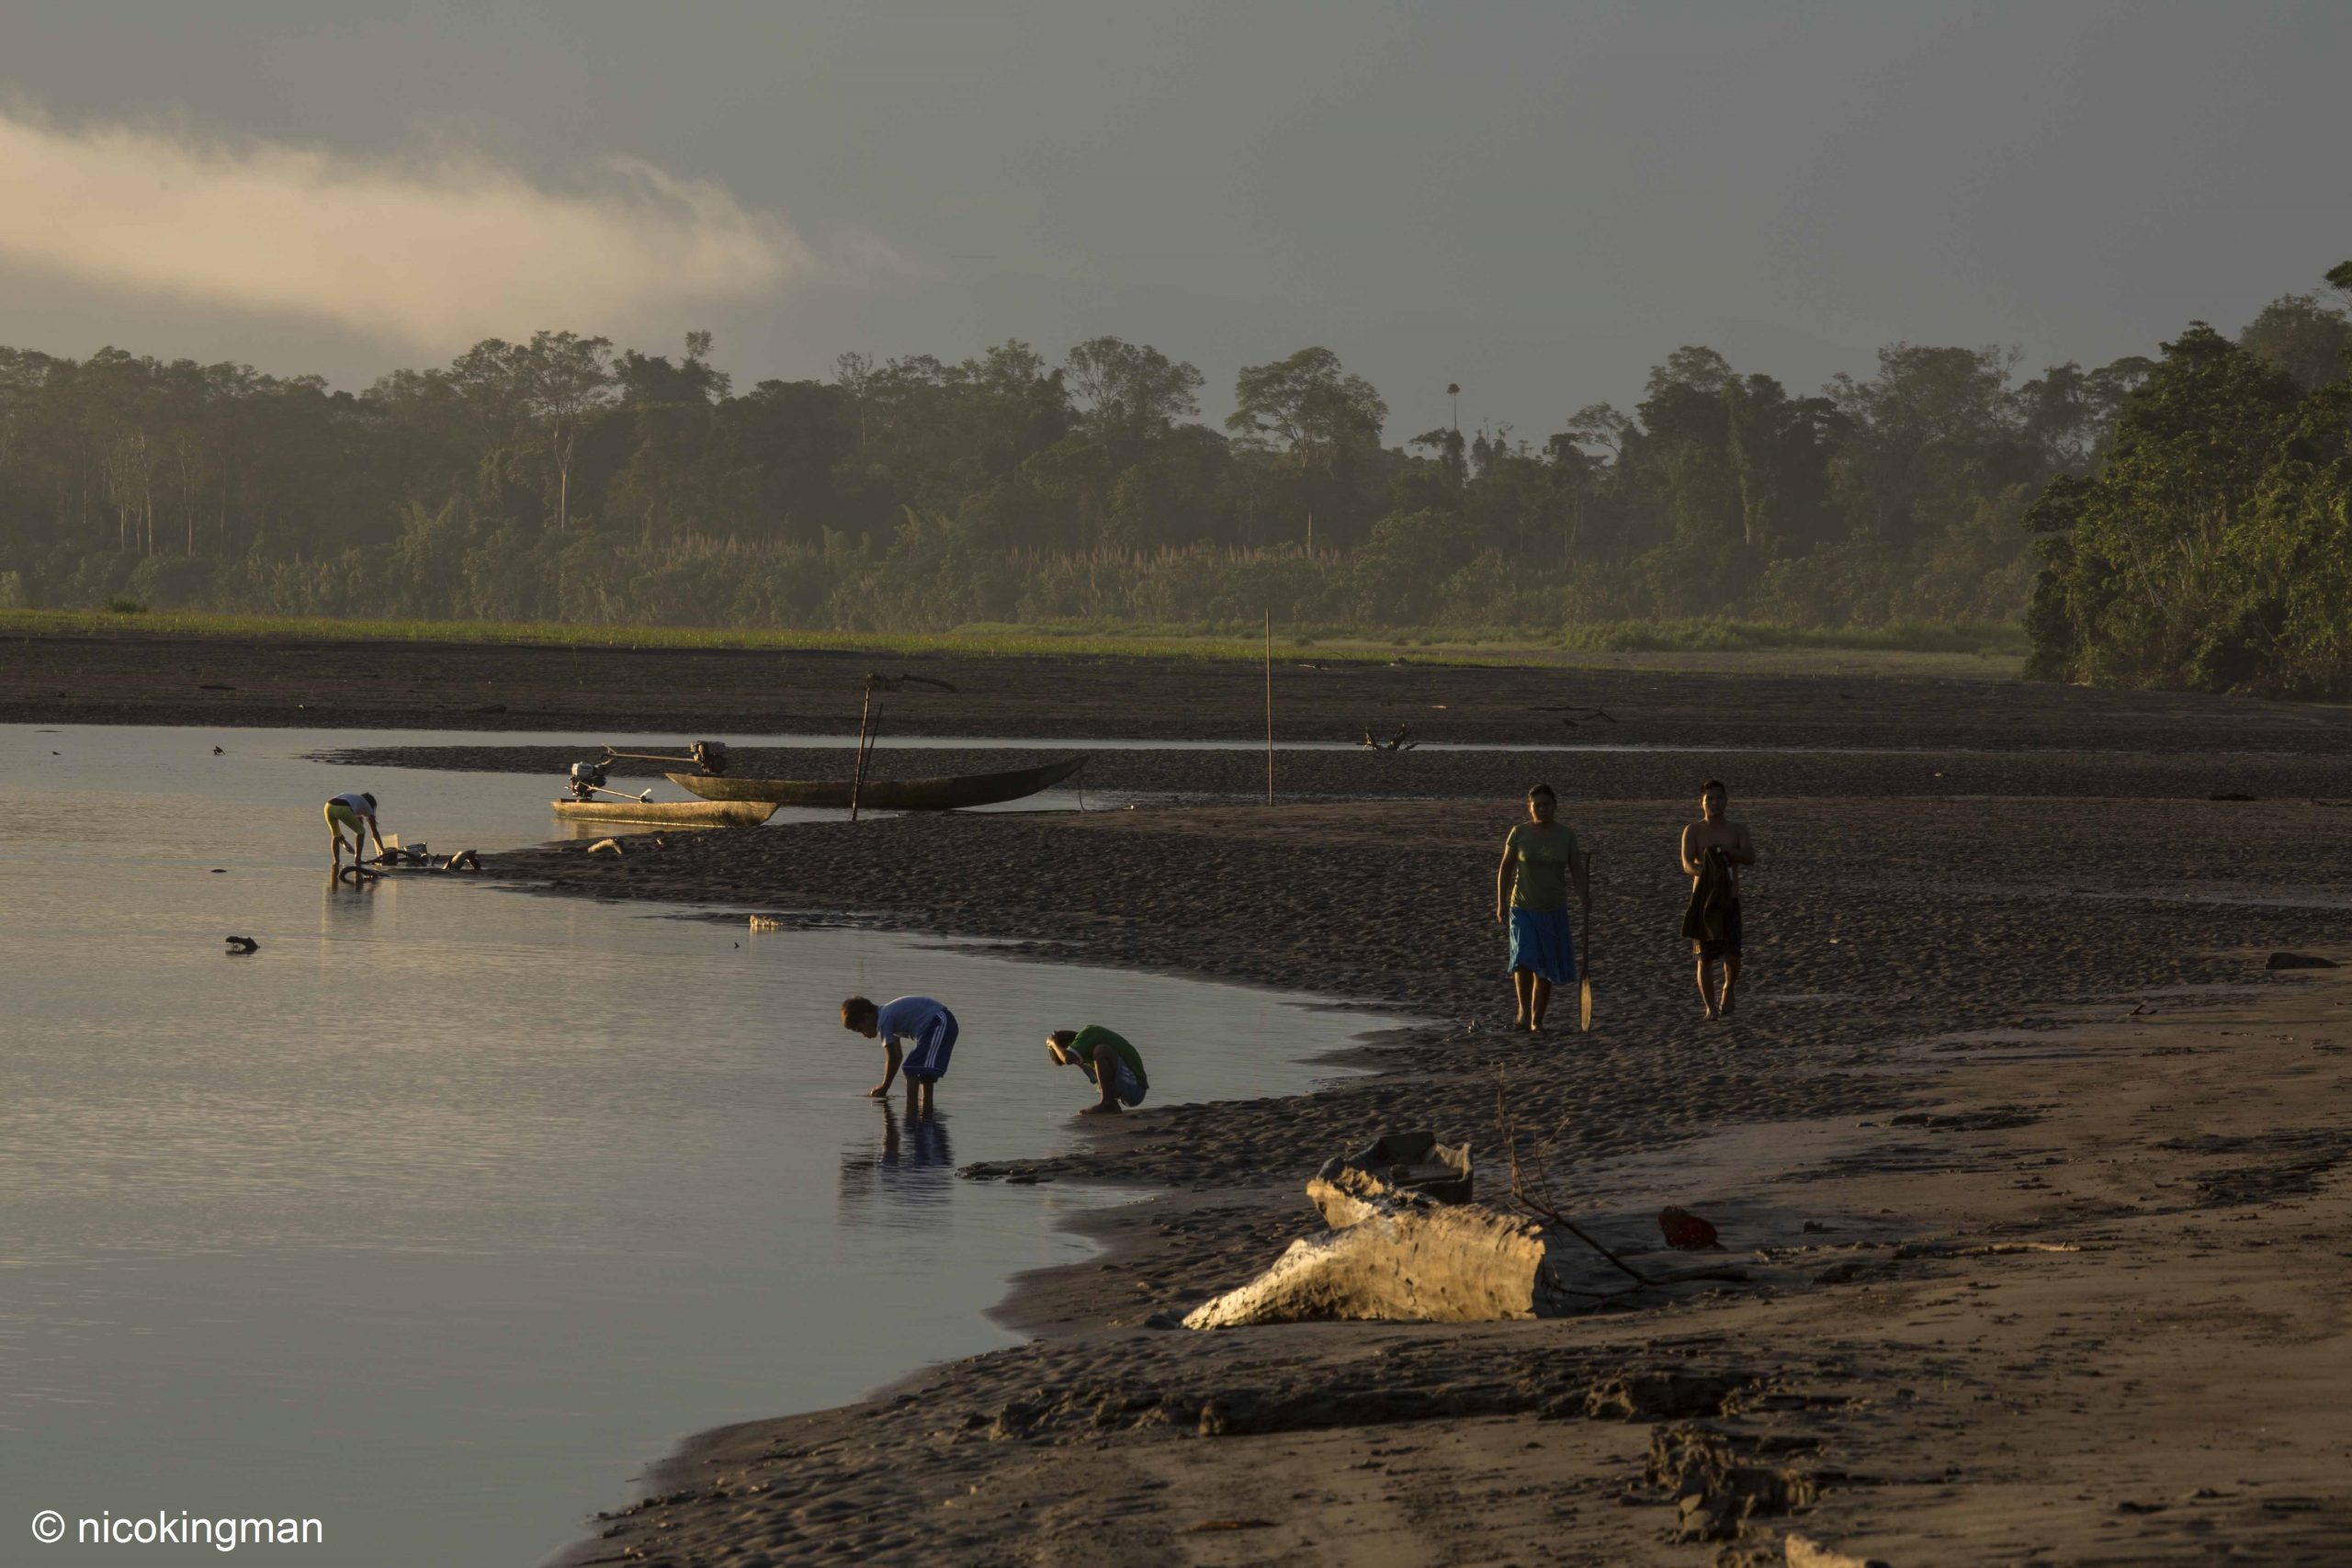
pixel 1518 1022
pixel 1099 1110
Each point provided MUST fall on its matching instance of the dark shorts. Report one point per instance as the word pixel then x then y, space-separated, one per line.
pixel 927 1063
pixel 1729 946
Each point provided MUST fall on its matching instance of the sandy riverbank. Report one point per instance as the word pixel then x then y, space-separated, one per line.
pixel 1136 775
pixel 2086 1306
pixel 1966 964
pixel 678 694
pixel 2021 1002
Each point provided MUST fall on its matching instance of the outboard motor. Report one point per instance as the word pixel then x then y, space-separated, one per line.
pixel 587 778
pixel 711 756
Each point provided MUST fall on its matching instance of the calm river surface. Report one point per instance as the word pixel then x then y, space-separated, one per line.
pixel 452 1207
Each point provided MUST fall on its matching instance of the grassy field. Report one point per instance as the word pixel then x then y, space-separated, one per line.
pixel 1907 647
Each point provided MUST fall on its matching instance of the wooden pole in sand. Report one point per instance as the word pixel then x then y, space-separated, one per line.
pixel 873 738
pixel 857 768
pixel 1269 705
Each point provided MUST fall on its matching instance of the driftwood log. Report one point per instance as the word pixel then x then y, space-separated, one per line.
pixel 1400 1256
pixel 1392 1250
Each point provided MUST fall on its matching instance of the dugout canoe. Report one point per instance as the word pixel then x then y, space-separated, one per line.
pixel 952 793
pixel 669 812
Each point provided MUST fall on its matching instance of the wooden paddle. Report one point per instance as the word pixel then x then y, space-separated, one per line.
pixel 1584 970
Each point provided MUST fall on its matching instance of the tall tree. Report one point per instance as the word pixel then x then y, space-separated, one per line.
pixel 649 379
pixel 2302 337
pixel 1933 428
pixel 1326 423
pixel 1127 392
pixel 1598 425
pixel 1309 404
pixel 565 379
pixel 2137 583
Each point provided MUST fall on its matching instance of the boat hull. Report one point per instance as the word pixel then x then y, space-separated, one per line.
pixel 669 812
pixel 885 794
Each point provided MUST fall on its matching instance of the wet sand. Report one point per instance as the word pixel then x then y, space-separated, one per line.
pixel 2164 1386
pixel 682 694
pixel 1122 775
pixel 1971 1022
pixel 2040 1174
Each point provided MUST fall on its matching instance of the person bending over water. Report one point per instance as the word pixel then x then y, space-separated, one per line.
pixel 928 1024
pixel 1714 849
pixel 1109 1063
pixel 356 812
pixel 1540 859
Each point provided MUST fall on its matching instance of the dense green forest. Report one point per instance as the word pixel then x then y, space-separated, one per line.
pixel 562 480
pixel 2213 546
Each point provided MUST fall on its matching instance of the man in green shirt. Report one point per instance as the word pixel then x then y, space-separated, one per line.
pixel 1107 1060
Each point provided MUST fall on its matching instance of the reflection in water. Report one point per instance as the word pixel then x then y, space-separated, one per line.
pixel 349 905
pixel 449 1208
pixel 913 1165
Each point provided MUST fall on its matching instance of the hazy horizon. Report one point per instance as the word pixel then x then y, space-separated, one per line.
pixel 1536 204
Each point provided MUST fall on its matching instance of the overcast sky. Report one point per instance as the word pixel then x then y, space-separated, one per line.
pixel 1538 201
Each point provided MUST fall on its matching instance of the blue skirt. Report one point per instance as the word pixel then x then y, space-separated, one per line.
pixel 1541 942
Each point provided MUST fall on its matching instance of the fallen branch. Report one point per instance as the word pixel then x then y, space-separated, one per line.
pixel 877 681
pixel 1988 1249
pixel 1538 1203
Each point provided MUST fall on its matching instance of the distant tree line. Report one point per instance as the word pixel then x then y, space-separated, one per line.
pixel 561 479
pixel 2212 547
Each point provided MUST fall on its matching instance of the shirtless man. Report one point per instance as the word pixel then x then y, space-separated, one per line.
pixel 1714 831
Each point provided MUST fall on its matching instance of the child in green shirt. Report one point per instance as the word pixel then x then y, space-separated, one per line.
pixel 1107 1060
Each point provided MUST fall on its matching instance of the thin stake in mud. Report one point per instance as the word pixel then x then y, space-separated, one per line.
pixel 1539 1203
pixel 865 766
pixel 1269 705
pixel 868 722
pixel 1543 1208
pixel 1584 970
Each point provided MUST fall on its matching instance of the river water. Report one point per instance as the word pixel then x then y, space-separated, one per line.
pixel 443 1213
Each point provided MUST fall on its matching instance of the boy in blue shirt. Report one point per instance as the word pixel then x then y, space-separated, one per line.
pixel 928 1024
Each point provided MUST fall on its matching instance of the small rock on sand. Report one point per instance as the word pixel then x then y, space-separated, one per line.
pixel 1803 1552
pixel 1686 1232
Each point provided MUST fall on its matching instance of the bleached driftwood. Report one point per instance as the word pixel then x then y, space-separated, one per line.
pixel 1394 1255
pixel 1412 1162
pixel 1392 1250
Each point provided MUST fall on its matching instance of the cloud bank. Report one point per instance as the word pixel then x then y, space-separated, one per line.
pixel 434 253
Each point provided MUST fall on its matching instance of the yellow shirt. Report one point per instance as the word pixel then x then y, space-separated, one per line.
pixel 1545 855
